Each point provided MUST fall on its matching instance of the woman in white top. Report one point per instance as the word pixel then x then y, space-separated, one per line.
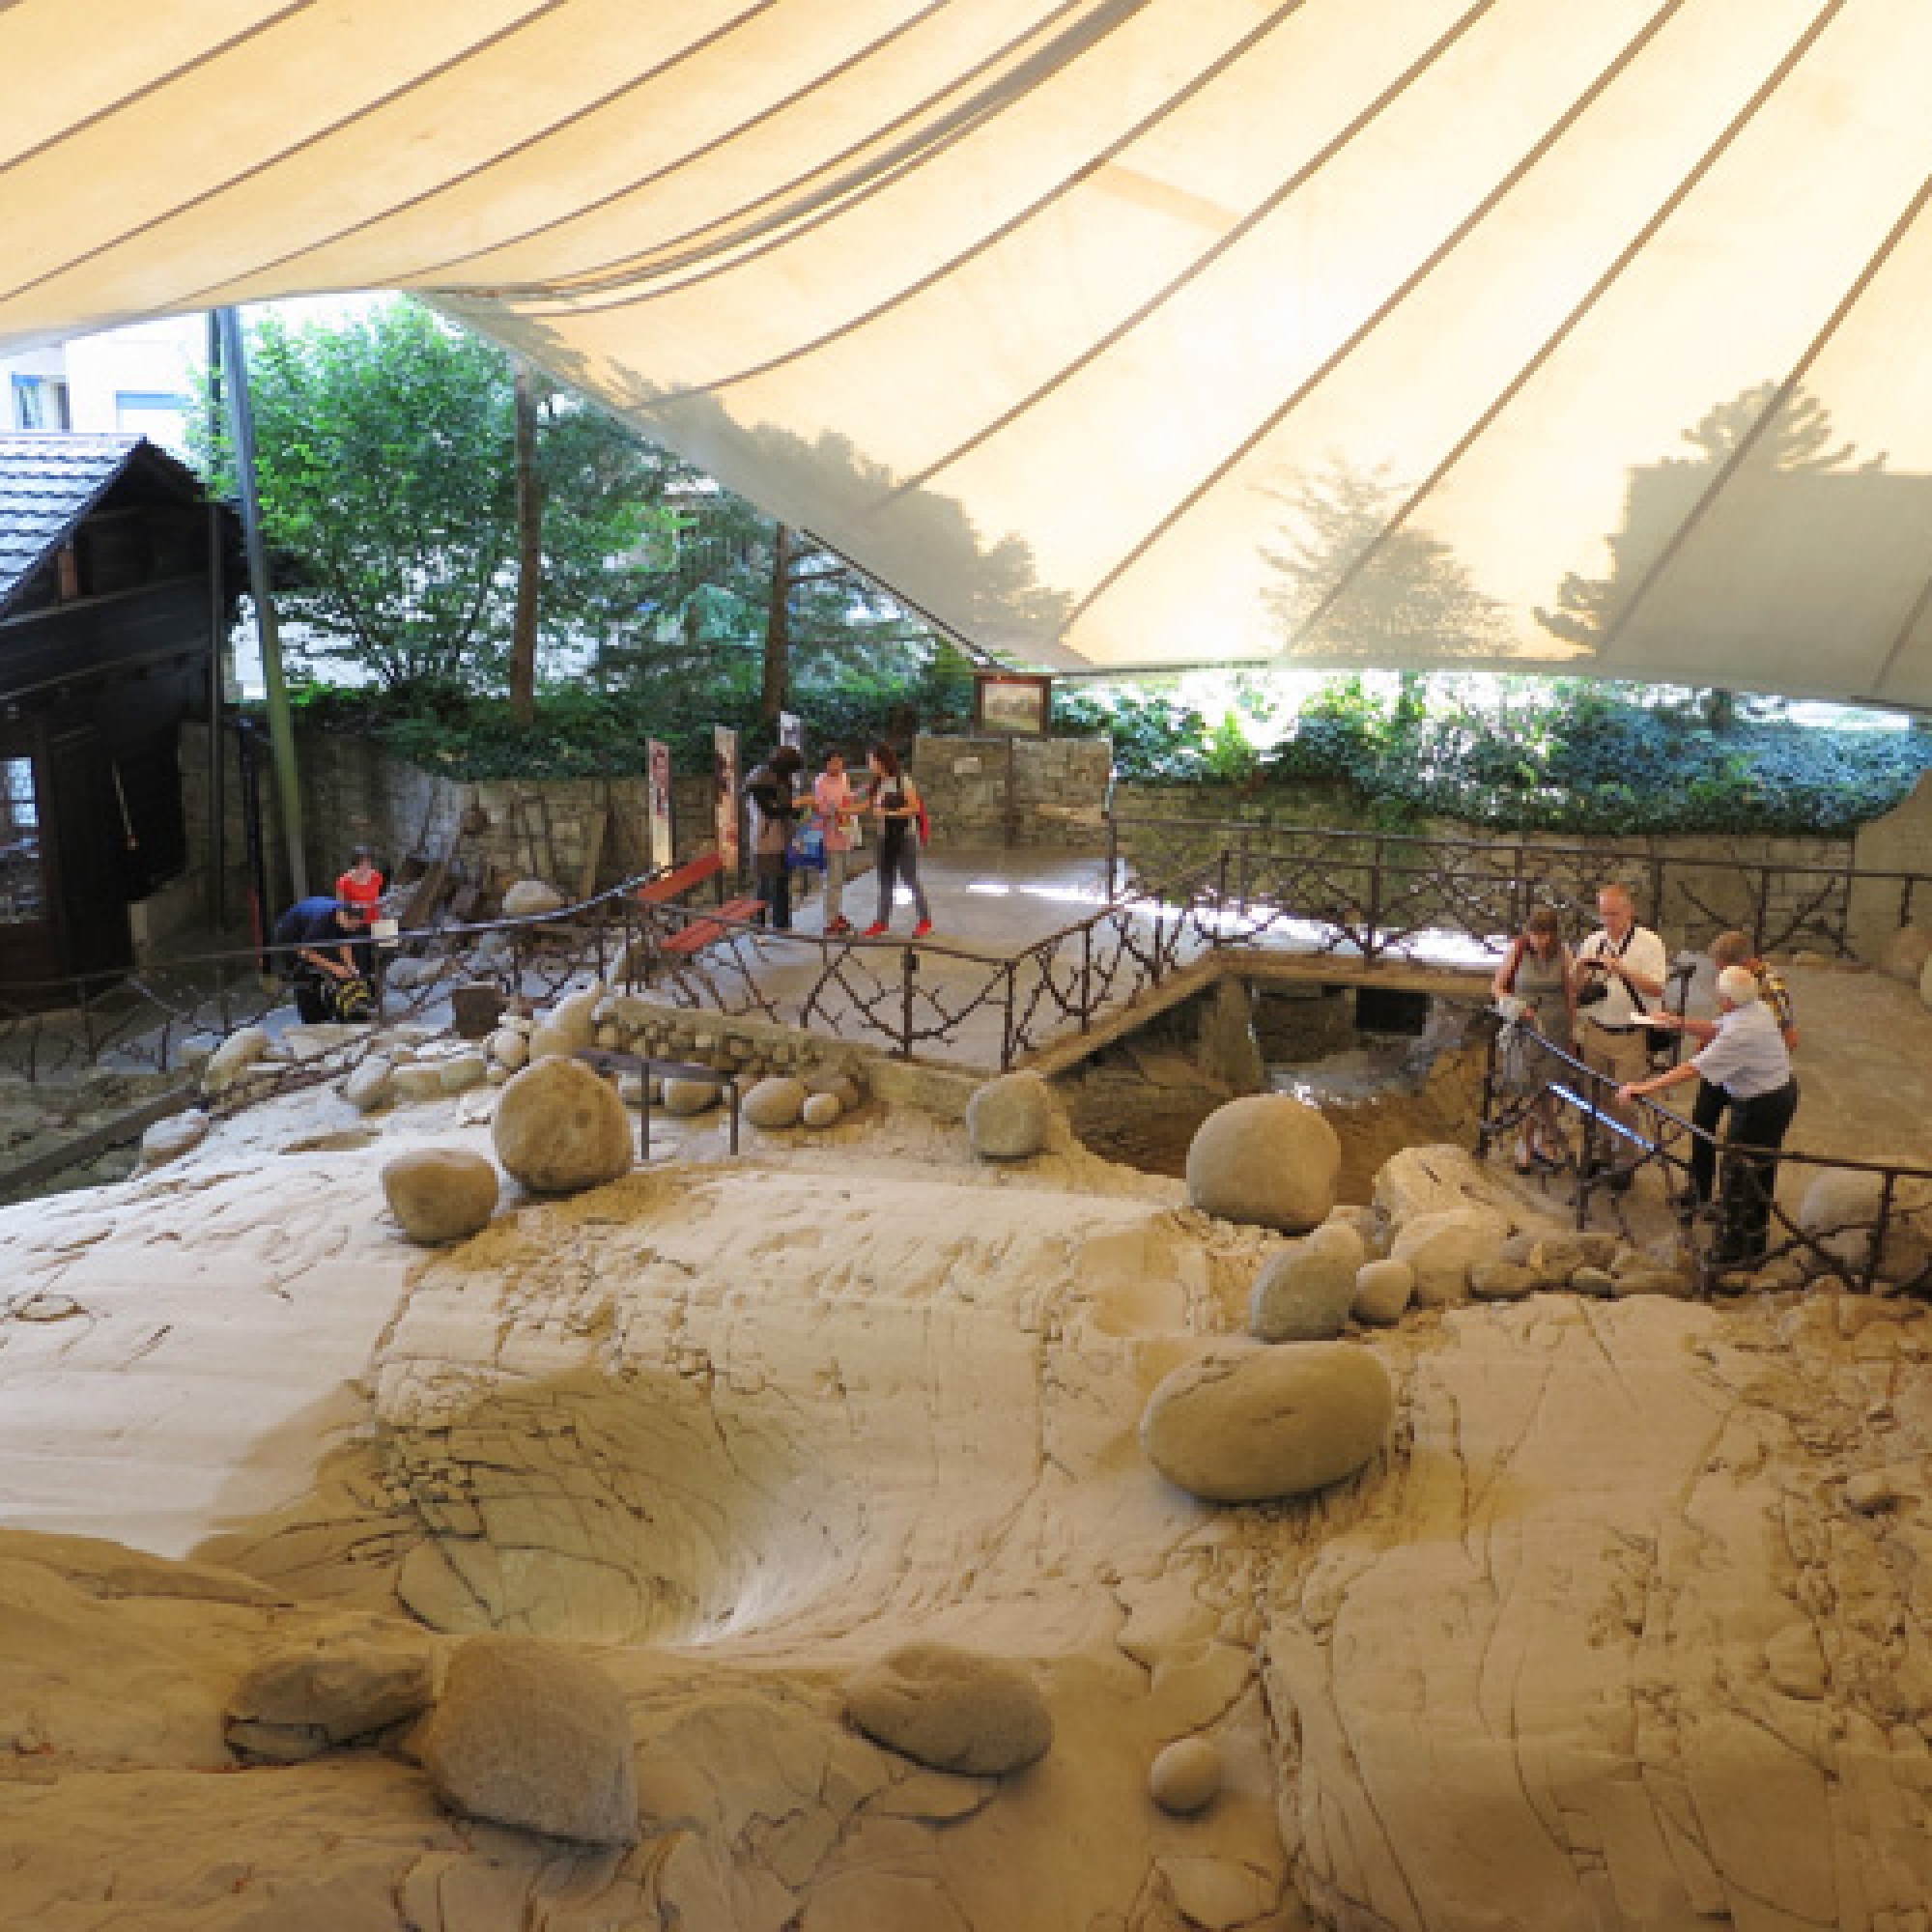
pixel 1749 1058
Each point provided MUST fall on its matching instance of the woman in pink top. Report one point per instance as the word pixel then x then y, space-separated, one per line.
pixel 837 807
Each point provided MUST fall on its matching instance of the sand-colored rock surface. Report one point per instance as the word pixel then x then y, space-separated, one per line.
pixel 1624 1625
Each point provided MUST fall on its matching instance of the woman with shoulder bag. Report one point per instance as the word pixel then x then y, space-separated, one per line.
pixel 895 805
pixel 1538 973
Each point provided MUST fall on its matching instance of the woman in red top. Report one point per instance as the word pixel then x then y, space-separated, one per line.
pixel 361 885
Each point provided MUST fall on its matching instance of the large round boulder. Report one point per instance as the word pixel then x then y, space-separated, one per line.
pixel 1009 1119
pixel 685 1098
pixel 1304 1292
pixel 529 1734
pixel 440 1194
pixel 776 1103
pixel 1383 1290
pixel 1186 1777
pixel 1269 1159
pixel 952 1710
pixel 1244 1424
pixel 569 1027
pixel 560 1129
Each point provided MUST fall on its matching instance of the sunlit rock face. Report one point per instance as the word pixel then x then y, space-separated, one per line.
pixel 1619 1626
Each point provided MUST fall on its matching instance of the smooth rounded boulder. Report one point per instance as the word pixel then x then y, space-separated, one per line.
pixel 1009 1119
pixel 1186 1777
pixel 1248 1424
pixel 1305 1292
pixel 529 1734
pixel 440 1194
pixel 1269 1160
pixel 776 1103
pixel 951 1710
pixel 560 1128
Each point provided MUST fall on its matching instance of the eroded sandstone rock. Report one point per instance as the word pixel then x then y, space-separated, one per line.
pixel 560 1129
pixel 1444 1247
pixel 232 1059
pixel 1269 1159
pixel 530 899
pixel 1245 1424
pixel 951 1710
pixel 440 1194
pixel 530 1734
pixel 302 1698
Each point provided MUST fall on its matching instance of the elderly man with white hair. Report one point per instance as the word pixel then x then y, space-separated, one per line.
pixel 1749 1058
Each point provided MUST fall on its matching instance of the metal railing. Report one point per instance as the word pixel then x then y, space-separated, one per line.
pixel 1888 1245
pixel 904 997
pixel 1377 893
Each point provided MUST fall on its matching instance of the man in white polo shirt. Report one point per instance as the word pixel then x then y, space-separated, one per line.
pixel 1749 1058
pixel 1620 974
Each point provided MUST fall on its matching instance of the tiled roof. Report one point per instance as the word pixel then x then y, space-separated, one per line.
pixel 48 480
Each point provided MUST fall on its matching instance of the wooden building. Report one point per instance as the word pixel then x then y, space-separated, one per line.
pixel 106 618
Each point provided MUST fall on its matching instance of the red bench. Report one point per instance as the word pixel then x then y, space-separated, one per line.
pixel 671 885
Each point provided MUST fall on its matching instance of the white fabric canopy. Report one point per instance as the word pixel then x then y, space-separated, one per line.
pixel 1514 333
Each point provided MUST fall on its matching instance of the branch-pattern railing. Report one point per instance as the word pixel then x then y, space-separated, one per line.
pixel 904 997
pixel 1377 893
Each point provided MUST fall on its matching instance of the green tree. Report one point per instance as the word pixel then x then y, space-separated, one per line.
pixel 386 452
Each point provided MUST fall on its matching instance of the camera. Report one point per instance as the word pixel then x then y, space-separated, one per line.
pixel 1597 986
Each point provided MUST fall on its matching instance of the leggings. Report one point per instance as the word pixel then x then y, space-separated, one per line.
pixel 899 861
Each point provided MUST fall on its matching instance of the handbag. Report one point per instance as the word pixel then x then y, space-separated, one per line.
pixel 806 851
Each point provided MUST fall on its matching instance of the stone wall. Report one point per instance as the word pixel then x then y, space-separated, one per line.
pixel 1020 791
pixel 497 831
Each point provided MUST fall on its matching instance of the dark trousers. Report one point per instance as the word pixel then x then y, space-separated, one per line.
pixel 1759 1125
pixel 775 889
pixel 1707 1116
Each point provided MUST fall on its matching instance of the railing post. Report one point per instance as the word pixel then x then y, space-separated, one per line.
pixel 1113 858
pixel 1087 978
pixel 908 967
pixel 1009 1045
pixel 1872 1258
pixel 1247 876
pixel 1761 914
pixel 1373 924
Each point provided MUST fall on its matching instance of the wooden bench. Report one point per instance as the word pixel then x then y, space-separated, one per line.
pixel 672 884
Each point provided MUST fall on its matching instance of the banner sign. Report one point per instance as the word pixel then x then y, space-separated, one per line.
pixel 726 802
pixel 658 759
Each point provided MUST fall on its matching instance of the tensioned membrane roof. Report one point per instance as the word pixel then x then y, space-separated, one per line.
pixel 1521 333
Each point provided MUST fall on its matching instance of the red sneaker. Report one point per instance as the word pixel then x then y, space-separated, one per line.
pixel 837 927
pixel 921 928
pixel 876 930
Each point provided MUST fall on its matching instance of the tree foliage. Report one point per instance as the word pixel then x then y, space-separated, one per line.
pixel 385 459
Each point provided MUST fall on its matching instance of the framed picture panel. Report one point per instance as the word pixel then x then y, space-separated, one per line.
pixel 1012 704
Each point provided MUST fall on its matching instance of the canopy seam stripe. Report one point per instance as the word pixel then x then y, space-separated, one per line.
pixel 1727 470
pixel 1591 297
pixel 589 108
pixel 156 84
pixel 270 163
pixel 994 236
pixel 785 226
pixel 1205 261
pixel 801 93
pixel 1483 207
pixel 1913 616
